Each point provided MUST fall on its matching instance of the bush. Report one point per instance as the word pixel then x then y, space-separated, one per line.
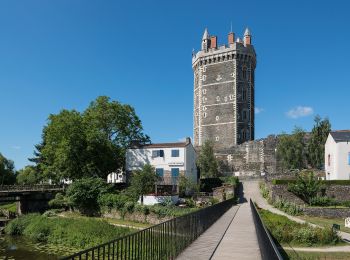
pixel 60 201
pixel 264 190
pixel 231 180
pixel 288 207
pixel 207 185
pixel 323 201
pixel 17 226
pixel 190 203
pixel 325 182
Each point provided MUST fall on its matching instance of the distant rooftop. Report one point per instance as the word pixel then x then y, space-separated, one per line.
pixel 341 135
pixel 163 145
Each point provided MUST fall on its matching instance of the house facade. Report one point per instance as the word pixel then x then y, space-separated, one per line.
pixel 170 160
pixel 337 155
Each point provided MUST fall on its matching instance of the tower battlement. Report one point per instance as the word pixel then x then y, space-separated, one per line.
pixel 224 91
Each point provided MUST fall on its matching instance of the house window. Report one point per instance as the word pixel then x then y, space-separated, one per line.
pixel 157 153
pixel 160 172
pixel 329 160
pixel 175 172
pixel 175 153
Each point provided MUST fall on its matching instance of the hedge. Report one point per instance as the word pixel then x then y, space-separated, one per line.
pixel 326 182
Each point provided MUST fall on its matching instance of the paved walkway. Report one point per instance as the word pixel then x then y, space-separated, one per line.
pixel 233 236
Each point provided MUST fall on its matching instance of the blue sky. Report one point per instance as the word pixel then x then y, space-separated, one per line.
pixel 63 54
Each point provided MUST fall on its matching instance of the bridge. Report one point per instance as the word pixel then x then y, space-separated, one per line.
pixel 223 231
pixel 29 198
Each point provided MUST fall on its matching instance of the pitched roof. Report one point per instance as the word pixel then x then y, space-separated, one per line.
pixel 341 136
pixel 165 145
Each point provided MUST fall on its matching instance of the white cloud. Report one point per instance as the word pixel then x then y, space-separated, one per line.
pixel 16 147
pixel 258 110
pixel 183 139
pixel 300 111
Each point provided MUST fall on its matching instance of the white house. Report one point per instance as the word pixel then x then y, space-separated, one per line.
pixel 337 155
pixel 171 160
pixel 116 177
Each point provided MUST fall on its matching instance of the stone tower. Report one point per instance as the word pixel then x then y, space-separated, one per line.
pixel 224 91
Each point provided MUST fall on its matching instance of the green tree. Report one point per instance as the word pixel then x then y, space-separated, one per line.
pixel 307 186
pixel 89 144
pixel 28 175
pixel 291 149
pixel 144 181
pixel 316 143
pixel 84 194
pixel 187 186
pixel 207 162
pixel 7 171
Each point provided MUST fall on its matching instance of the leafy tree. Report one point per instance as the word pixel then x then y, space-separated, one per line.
pixel 207 162
pixel 84 194
pixel 144 181
pixel 307 186
pixel 7 171
pixel 28 175
pixel 186 186
pixel 89 144
pixel 291 150
pixel 315 147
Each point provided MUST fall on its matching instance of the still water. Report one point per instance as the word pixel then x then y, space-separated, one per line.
pixel 13 247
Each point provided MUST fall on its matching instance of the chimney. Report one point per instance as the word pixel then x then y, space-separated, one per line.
pixel 213 42
pixel 188 140
pixel 231 38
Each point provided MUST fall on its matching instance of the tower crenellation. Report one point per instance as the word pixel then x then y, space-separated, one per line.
pixel 224 91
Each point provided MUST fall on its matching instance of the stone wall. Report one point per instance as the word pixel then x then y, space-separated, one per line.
pixel 327 212
pixel 338 192
pixel 281 192
pixel 222 193
pixel 137 216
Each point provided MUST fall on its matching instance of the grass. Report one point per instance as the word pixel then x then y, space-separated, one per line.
pixel 10 207
pixel 326 222
pixel 77 233
pixel 298 255
pixel 290 233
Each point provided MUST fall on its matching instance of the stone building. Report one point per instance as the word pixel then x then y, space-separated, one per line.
pixel 224 91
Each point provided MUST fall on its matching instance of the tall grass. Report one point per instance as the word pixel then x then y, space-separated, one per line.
pixel 74 233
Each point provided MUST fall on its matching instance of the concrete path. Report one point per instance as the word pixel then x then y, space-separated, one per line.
pixel 204 246
pixel 240 241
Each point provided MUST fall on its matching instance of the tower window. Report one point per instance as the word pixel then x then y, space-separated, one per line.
pixel 217 118
pixel 244 94
pixel 244 73
pixel 217 138
pixel 204 115
pixel 243 135
pixel 218 98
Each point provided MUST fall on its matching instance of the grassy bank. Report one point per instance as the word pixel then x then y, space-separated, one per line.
pixel 327 222
pixel 9 206
pixel 77 233
pixel 291 255
pixel 288 232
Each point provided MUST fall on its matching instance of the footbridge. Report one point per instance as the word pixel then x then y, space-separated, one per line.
pixel 29 198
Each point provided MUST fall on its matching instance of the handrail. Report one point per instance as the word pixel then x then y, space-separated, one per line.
pixel 268 248
pixel 8 188
pixel 162 241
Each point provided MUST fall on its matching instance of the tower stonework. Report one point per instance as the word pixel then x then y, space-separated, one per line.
pixel 224 92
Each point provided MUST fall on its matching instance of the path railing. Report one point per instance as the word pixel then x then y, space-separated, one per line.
pixel 267 246
pixel 22 188
pixel 163 241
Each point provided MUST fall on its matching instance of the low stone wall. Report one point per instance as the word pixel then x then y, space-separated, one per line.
pixel 281 192
pixel 136 216
pixel 223 192
pixel 327 212
pixel 338 192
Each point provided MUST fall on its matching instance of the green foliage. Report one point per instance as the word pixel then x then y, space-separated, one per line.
pixel 323 201
pixel 306 186
pixel 291 150
pixel 231 180
pixel 143 181
pixel 208 184
pixel 288 231
pixel 324 182
pixel 264 190
pixel 60 201
pixel 84 194
pixel 7 171
pixel 87 144
pixel 76 233
pixel 206 161
pixel 187 186
pixel 12 207
pixel 28 175
pixel 190 203
pixel 288 207
pixel 316 143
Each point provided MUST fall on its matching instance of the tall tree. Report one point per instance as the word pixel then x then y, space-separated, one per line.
pixel 88 144
pixel 144 181
pixel 318 138
pixel 291 149
pixel 28 175
pixel 207 162
pixel 7 171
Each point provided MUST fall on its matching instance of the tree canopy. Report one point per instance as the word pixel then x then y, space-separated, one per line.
pixel 207 162
pixel 7 171
pixel 88 144
pixel 28 175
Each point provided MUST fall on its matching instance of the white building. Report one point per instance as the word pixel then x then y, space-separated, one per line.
pixel 116 177
pixel 171 160
pixel 337 155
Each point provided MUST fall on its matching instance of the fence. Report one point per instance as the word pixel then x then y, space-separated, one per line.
pixel 267 246
pixel 40 187
pixel 163 241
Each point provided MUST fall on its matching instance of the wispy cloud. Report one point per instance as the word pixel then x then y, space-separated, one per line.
pixel 16 147
pixel 258 110
pixel 183 139
pixel 300 111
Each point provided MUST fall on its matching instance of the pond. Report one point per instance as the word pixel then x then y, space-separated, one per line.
pixel 18 247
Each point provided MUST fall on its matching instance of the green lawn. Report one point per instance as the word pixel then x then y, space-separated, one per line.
pixel 298 255
pixel 9 206
pixel 327 222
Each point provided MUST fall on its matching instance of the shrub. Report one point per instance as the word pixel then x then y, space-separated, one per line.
pixel 60 201
pixel 231 180
pixel 264 190
pixel 17 226
pixel 129 206
pixel 288 207
pixel 207 185
pixel 190 203
pixel 323 201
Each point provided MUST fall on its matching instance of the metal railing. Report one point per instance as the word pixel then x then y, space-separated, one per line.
pixel 163 241
pixel 19 188
pixel 268 248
